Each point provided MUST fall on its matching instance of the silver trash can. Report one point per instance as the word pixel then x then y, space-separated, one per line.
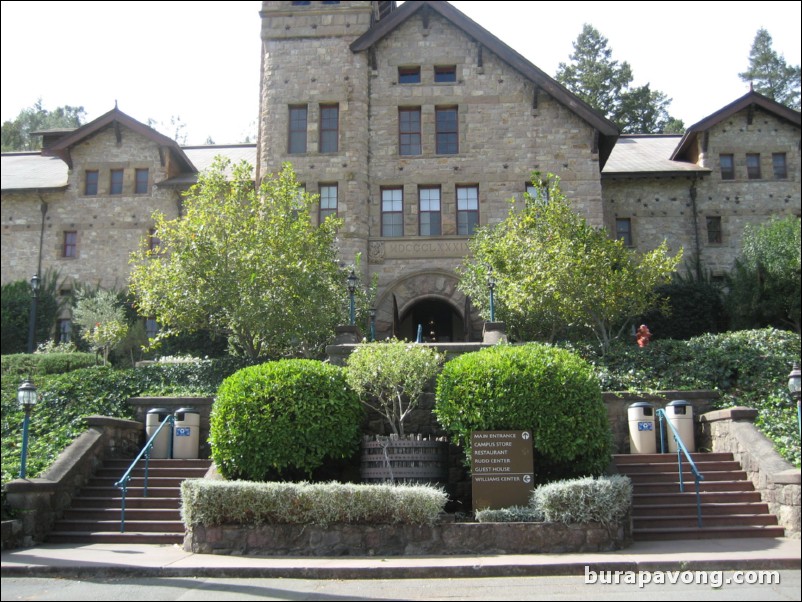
pixel 642 438
pixel 680 415
pixel 186 433
pixel 161 445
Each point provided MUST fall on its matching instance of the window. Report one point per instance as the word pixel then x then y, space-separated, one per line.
pixel 299 202
pixel 538 191
pixel 392 212
pixel 446 74
pixel 90 183
pixel 753 166
pixel 467 209
pixel 446 131
pixel 142 182
pixel 151 328
pixel 727 163
pixel 64 330
pixel 297 137
pixel 328 201
pixel 779 166
pixel 329 128
pixel 70 246
pixel 623 230
pixel 714 230
pixel 409 75
pixel 429 211
pixel 409 131
pixel 154 242
pixel 116 181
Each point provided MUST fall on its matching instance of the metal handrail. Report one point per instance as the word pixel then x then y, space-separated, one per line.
pixel 681 449
pixel 122 484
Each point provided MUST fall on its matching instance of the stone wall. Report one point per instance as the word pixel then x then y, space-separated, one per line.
pixel 732 431
pixel 447 538
pixel 42 500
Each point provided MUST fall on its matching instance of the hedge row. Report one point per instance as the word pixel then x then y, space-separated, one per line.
pixel 40 364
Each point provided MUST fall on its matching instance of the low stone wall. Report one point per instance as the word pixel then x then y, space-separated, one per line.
pixel 42 500
pixel 780 485
pixel 444 539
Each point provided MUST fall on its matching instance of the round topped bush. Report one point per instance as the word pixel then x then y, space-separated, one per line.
pixel 283 419
pixel 551 391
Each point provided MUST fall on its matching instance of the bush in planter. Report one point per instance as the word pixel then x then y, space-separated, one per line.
pixel 606 500
pixel 551 391
pixel 282 419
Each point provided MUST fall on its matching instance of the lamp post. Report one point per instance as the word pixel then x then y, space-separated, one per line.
pixel 372 314
pixel 351 290
pixel 32 317
pixel 26 397
pixel 794 385
pixel 491 285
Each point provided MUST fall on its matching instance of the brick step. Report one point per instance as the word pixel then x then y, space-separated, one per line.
pixel 138 473
pixel 153 481
pixel 707 533
pixel 704 467
pixel 114 513
pixel 708 509
pixel 677 522
pixel 136 526
pixel 690 486
pixel 116 537
pixel 132 492
pixel 130 502
pixel 673 476
pixel 689 497
pixel 172 463
pixel 626 459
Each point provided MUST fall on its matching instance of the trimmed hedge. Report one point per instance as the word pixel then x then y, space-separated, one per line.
pixel 207 502
pixel 283 418
pixel 39 364
pixel 605 500
pixel 513 514
pixel 551 391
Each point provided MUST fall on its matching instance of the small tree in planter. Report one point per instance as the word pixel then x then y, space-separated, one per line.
pixel 390 377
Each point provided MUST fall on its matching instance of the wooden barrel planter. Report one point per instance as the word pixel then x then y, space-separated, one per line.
pixel 404 461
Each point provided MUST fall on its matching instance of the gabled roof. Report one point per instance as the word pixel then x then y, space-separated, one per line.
pixel 203 157
pixel 30 170
pixel 116 117
pixel 749 99
pixel 647 154
pixel 607 129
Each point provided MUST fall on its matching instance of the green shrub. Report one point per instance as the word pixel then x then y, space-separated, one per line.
pixel 551 391
pixel 38 364
pixel 605 500
pixel 199 377
pixel 513 514
pixel 283 418
pixel 247 503
pixel 694 308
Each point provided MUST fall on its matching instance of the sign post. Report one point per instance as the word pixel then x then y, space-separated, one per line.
pixel 502 469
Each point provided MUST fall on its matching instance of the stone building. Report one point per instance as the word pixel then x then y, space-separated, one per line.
pixel 414 125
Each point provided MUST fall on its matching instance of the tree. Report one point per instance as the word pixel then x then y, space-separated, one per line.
pixel 101 317
pixel 176 128
pixel 764 285
pixel 554 271
pixel 770 75
pixel 245 262
pixel 604 84
pixel 16 134
pixel 16 308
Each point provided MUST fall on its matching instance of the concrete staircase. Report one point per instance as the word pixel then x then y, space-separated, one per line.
pixel 94 516
pixel 731 508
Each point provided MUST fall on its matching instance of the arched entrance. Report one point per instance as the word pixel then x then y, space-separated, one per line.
pixel 439 322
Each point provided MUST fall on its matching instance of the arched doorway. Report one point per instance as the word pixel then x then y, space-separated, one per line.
pixel 440 322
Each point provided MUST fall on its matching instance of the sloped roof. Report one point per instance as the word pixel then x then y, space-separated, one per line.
pixel 607 129
pixel 751 98
pixel 26 171
pixel 203 157
pixel 642 154
pixel 116 117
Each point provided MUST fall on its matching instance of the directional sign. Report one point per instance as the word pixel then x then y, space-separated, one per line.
pixel 502 469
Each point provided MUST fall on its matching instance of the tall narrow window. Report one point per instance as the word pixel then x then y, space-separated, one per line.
pixel 429 211
pixel 409 131
pixel 151 328
pixel 623 230
pixel 446 131
pixel 392 212
pixel 64 328
pixel 727 164
pixel 714 236
pixel 154 242
pixel 90 182
pixel 753 166
pixel 297 136
pixel 329 128
pixel 70 245
pixel 779 166
pixel 328 201
pixel 116 181
pixel 467 209
pixel 409 75
pixel 141 186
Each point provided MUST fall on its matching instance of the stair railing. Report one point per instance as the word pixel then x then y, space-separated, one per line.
pixel 122 484
pixel 681 450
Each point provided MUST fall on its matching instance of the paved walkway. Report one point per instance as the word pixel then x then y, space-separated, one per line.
pixel 172 561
